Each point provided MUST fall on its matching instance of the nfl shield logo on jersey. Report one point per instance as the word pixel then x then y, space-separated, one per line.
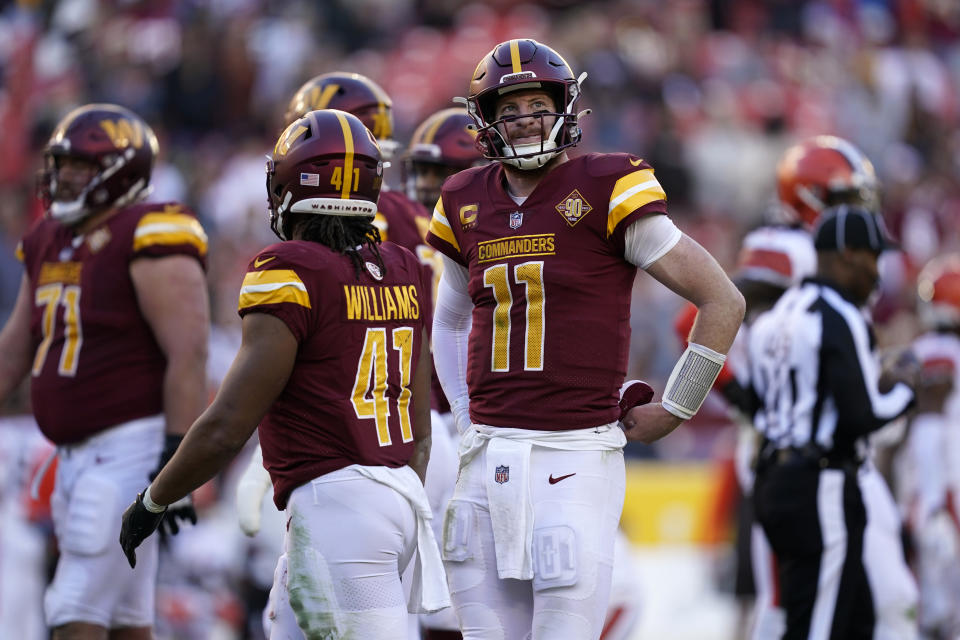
pixel 516 219
pixel 502 474
pixel 374 271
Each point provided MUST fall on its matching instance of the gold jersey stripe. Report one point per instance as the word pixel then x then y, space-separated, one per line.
pixel 168 229
pixel 440 227
pixel 348 156
pixel 271 287
pixel 515 56
pixel 631 192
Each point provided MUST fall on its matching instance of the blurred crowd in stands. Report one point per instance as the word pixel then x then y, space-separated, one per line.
pixel 710 92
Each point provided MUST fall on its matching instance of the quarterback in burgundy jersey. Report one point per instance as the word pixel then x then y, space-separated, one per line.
pixel 531 336
pixel 333 367
pixel 111 324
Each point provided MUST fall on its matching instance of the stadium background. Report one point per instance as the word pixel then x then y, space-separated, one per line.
pixel 709 92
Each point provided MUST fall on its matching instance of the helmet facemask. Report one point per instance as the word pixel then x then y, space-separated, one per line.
pixel 93 197
pixel 564 131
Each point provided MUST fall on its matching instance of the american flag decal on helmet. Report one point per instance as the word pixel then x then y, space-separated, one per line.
pixel 501 474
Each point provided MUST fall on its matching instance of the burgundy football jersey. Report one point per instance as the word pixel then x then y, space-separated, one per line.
pixel 406 222
pixel 550 287
pixel 348 398
pixel 97 363
pixel 401 221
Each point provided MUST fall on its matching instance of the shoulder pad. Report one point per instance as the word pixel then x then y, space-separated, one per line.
pixel 467 177
pixel 599 165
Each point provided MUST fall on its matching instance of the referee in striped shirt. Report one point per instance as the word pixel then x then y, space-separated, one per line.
pixel 815 372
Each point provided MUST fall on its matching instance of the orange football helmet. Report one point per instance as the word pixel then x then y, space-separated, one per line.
pixel 938 291
pixel 821 172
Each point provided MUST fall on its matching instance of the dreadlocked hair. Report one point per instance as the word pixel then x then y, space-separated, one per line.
pixel 344 235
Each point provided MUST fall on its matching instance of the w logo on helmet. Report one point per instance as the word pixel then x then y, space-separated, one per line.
pixel 124 133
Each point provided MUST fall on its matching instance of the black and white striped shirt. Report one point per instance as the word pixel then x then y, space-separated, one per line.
pixel 815 372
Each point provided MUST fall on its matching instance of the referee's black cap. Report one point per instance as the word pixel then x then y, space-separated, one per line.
pixel 848 226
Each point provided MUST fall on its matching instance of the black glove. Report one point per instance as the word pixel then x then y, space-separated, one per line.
pixel 182 509
pixel 138 524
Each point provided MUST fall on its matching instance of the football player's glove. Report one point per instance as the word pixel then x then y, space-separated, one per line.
pixel 138 524
pixel 183 508
pixel 251 489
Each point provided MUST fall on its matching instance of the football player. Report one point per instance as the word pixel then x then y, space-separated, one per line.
pixel 933 451
pixel 398 219
pixel 111 323
pixel 333 367
pixel 540 253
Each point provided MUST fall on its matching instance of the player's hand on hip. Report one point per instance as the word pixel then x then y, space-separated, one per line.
pixel 634 393
pixel 649 422
pixel 138 524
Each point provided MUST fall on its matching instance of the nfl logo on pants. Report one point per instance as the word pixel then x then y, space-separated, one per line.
pixel 501 474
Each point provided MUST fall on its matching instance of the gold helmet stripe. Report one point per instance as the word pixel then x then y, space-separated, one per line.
pixel 431 131
pixel 321 101
pixel 348 156
pixel 515 55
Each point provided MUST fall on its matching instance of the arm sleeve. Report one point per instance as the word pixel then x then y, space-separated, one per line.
pixel 451 331
pixel 649 238
pixel 851 375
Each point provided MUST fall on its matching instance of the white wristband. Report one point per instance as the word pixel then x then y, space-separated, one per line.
pixel 691 379
pixel 150 505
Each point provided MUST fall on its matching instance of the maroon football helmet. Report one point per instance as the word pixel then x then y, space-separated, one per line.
pixel 516 65
pixel 821 172
pixel 325 163
pixel 442 145
pixel 122 149
pixel 350 92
